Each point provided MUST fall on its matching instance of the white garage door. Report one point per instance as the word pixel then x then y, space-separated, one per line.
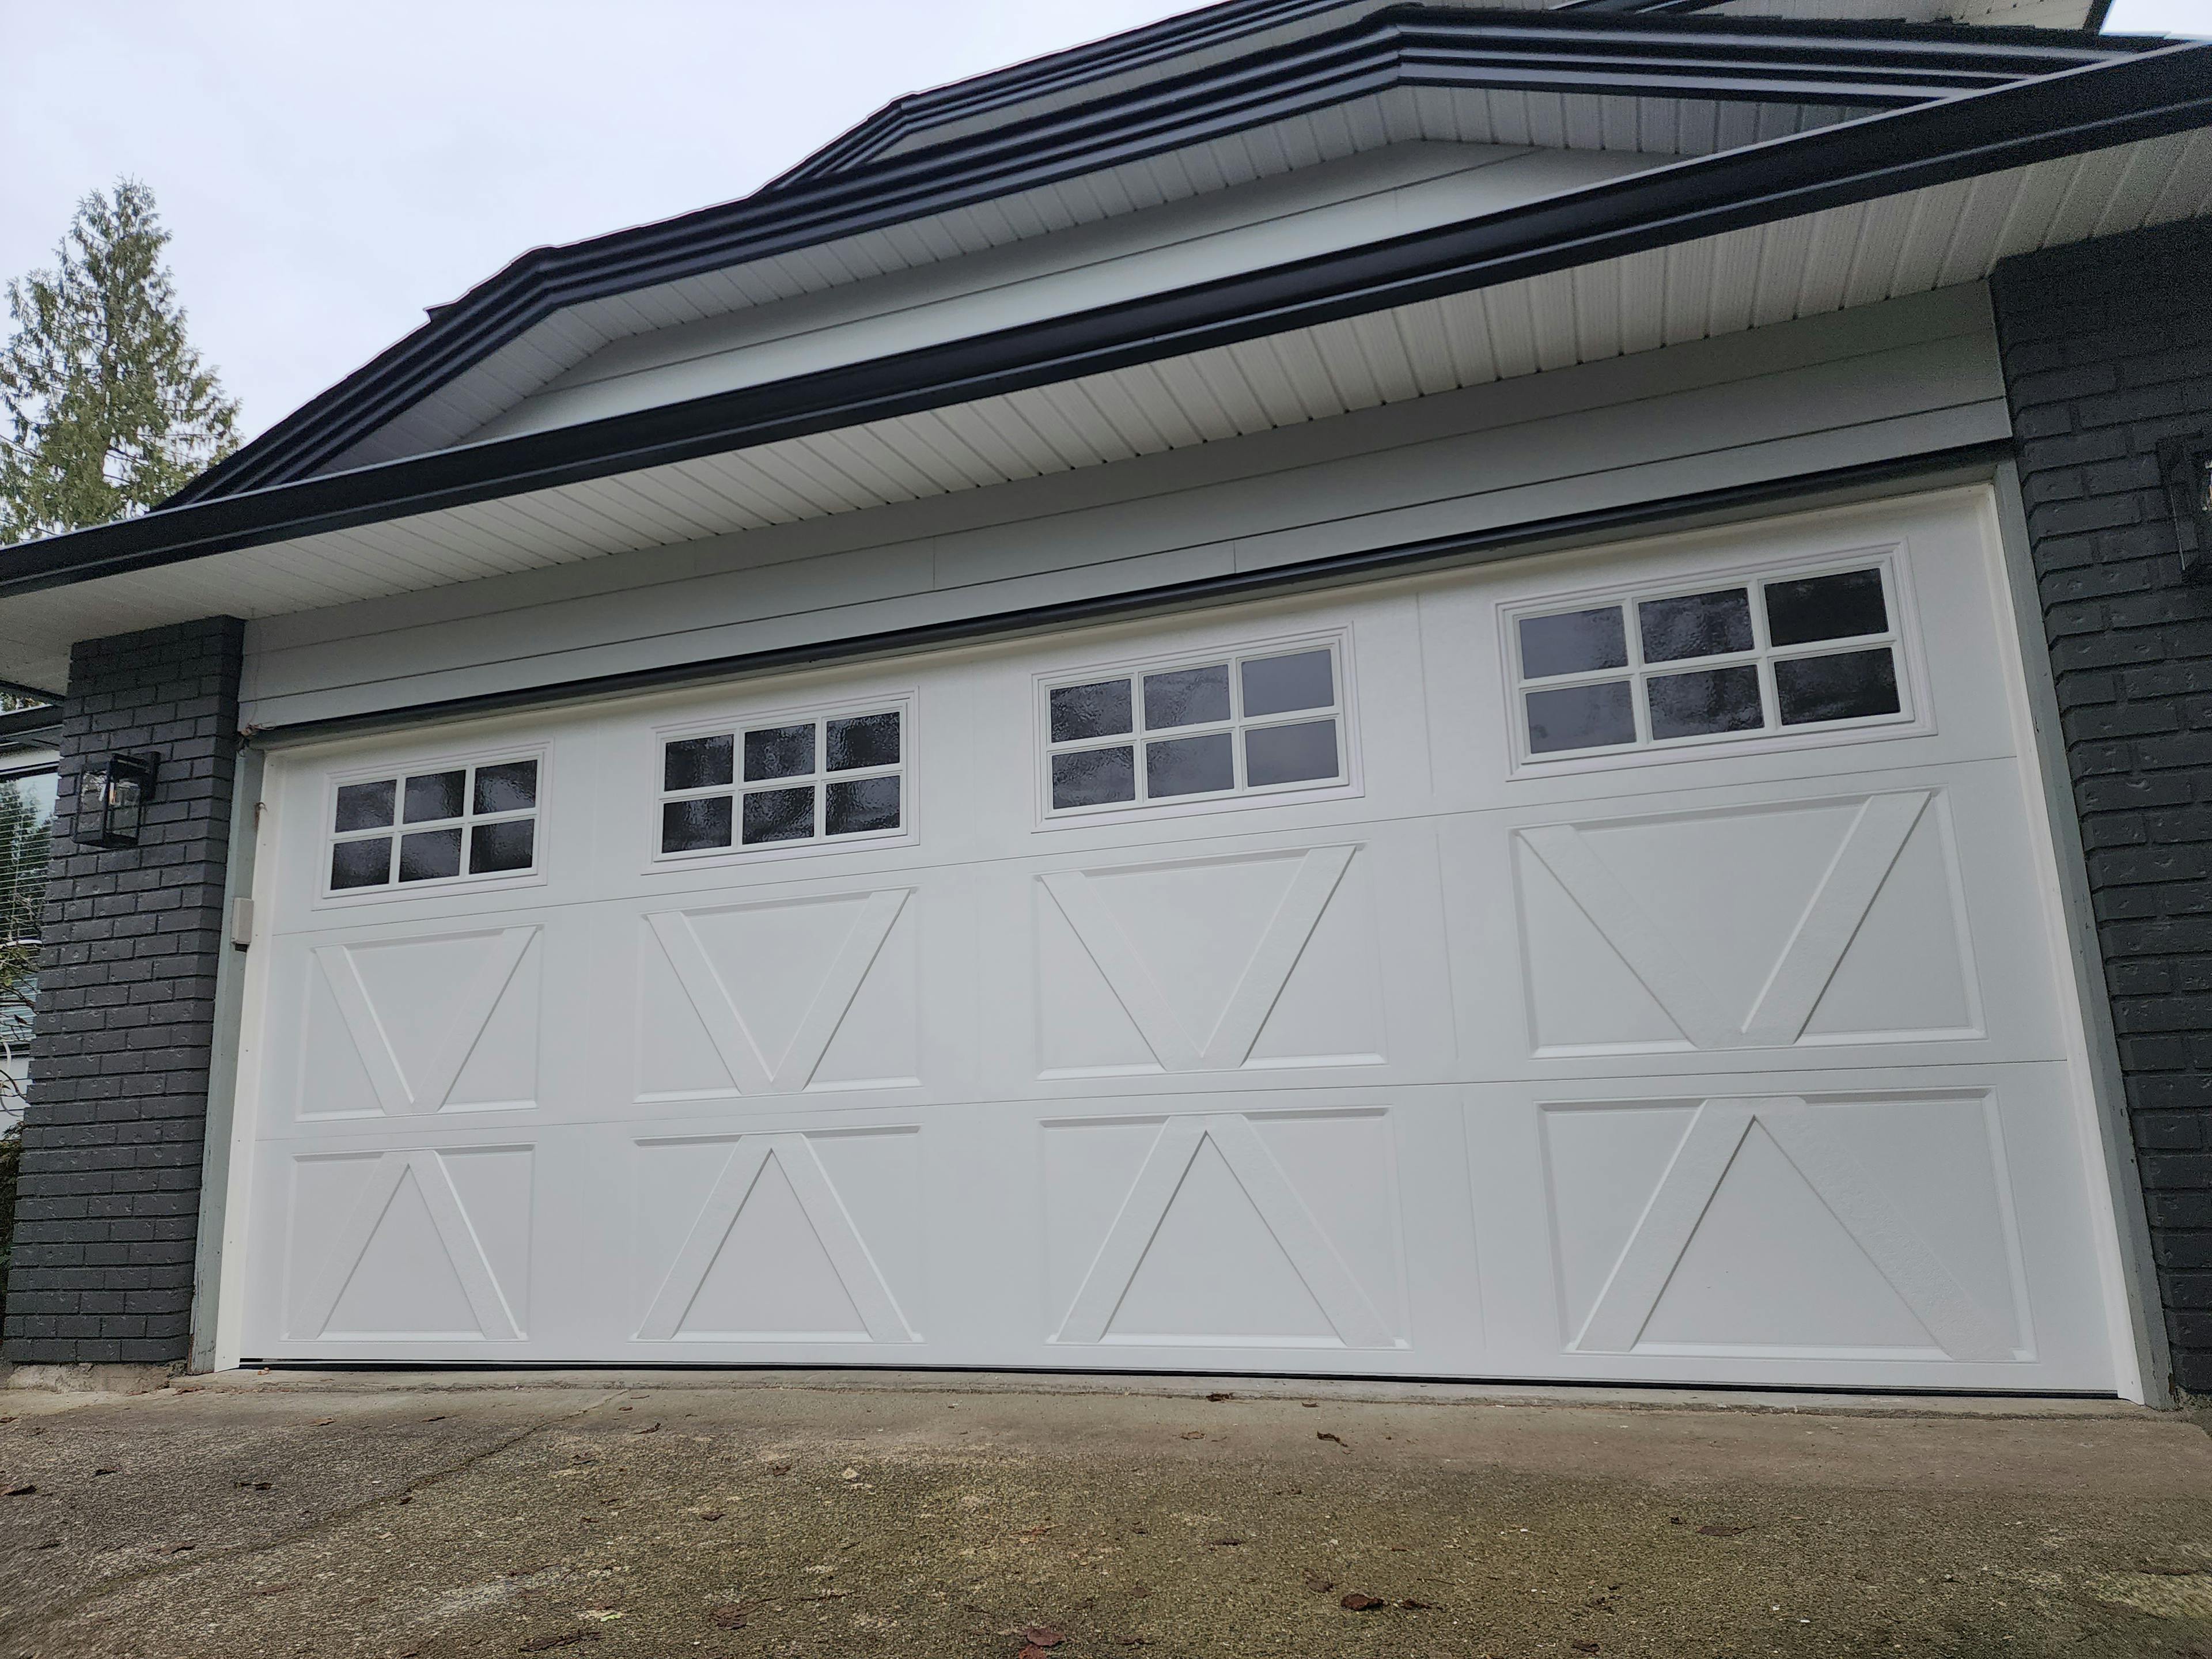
pixel 1639 964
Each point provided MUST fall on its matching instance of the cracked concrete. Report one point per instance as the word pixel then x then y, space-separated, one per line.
pixel 604 1515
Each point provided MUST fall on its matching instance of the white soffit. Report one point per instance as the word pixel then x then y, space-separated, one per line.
pixel 1660 128
pixel 1746 279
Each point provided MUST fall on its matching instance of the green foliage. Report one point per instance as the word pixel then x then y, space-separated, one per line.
pixel 105 408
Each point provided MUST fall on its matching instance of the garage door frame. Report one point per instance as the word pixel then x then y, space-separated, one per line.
pixel 2138 1335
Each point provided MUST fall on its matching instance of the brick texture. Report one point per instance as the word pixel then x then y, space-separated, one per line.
pixel 109 1203
pixel 2107 348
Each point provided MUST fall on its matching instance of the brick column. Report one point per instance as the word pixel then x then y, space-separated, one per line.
pixel 2107 348
pixel 111 1140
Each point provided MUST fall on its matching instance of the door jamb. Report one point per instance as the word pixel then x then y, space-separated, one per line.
pixel 2137 1317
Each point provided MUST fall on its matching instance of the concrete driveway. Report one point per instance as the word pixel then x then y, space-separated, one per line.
pixel 606 1515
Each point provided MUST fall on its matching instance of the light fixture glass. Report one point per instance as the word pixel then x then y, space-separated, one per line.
pixel 113 800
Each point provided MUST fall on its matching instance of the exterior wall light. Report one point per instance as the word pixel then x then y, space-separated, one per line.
pixel 2185 465
pixel 112 800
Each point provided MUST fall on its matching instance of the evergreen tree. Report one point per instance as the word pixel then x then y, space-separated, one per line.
pixel 105 408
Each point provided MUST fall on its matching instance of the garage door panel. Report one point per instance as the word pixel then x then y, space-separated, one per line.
pixel 753 998
pixel 832 995
pixel 1695 928
pixel 1226 1229
pixel 1192 964
pixel 410 1244
pixel 779 1236
pixel 1941 552
pixel 402 1021
pixel 1874 1221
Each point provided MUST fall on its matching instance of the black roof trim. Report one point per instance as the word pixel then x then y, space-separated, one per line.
pixel 1716 59
pixel 26 726
pixel 1039 78
pixel 1173 37
pixel 2113 103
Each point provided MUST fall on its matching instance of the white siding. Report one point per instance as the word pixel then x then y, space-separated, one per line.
pixel 1324 209
pixel 1866 385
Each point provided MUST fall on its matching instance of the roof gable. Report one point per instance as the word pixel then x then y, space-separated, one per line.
pixel 475 359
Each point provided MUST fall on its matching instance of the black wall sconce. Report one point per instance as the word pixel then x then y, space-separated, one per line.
pixel 2185 464
pixel 112 800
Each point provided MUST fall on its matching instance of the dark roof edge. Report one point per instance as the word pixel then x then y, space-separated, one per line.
pixel 2119 102
pixel 1039 77
pixel 23 725
pixel 1690 57
pixel 1172 36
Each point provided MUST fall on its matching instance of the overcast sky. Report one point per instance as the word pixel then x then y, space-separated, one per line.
pixel 330 170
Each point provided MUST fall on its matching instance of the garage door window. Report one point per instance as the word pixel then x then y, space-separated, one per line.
pixel 448 824
pixel 1252 723
pixel 806 778
pixel 1774 654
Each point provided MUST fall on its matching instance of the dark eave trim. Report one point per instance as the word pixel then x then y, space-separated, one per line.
pixel 2115 103
pixel 22 726
pixel 1403 559
pixel 1714 59
pixel 1214 26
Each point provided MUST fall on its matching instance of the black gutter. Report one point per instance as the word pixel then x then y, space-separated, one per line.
pixel 21 724
pixel 2149 96
pixel 1404 559
pixel 29 693
pixel 1718 59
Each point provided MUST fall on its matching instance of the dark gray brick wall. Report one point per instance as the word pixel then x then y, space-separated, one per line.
pixel 111 1175
pixel 2107 348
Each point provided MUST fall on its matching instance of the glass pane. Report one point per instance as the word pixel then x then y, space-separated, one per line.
pixel 1580 717
pixel 1186 697
pixel 1188 766
pixel 693 826
pixel 430 855
pixel 860 805
pixel 779 814
pixel 698 763
pixel 779 751
pixel 1572 642
pixel 1101 709
pixel 496 847
pixel 436 795
pixel 510 786
pixel 365 806
pixel 1290 754
pixel 1835 607
pixel 1275 685
pixel 362 863
pixel 1695 625
pixel 1094 777
pixel 864 740
pixel 1713 700
pixel 1849 686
